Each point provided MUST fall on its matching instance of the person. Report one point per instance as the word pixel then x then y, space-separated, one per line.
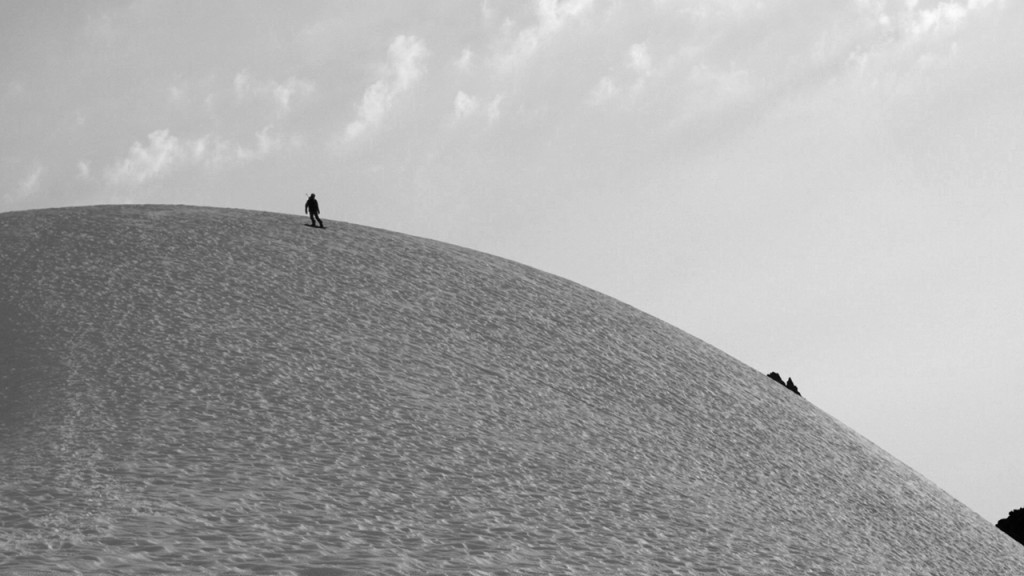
pixel 313 209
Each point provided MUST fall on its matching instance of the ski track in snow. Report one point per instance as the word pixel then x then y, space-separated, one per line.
pixel 194 390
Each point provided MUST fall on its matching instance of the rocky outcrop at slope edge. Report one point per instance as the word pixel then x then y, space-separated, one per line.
pixel 205 391
pixel 788 383
pixel 1013 525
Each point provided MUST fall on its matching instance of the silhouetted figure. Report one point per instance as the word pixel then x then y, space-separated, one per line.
pixel 313 209
pixel 1013 525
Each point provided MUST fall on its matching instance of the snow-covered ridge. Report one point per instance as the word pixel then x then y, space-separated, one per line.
pixel 203 390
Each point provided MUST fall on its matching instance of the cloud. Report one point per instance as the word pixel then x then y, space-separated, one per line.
pixel 266 144
pixel 84 170
pixel 641 68
pixel 640 60
pixel 29 185
pixel 25 186
pixel 177 94
pixel 281 94
pixel 166 153
pixel 145 162
pixel 403 69
pixel 552 15
pixel 943 17
pixel 700 59
pixel 912 22
pixel 494 109
pixel 465 105
pixel 911 34
pixel 605 90
pixel 243 84
pixel 465 59
pixel 163 153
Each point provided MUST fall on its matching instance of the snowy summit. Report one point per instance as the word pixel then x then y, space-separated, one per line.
pixel 198 390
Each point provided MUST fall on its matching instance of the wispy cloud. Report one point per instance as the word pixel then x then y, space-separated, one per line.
pixel 84 170
pixel 468 106
pixel 908 35
pixel 29 185
pixel 177 94
pixel 723 59
pixel 552 16
pixel 912 21
pixel 465 60
pixel 281 94
pixel 165 153
pixel 284 93
pixel 640 68
pixel 266 144
pixel 605 90
pixel 403 69
pixel 640 60
pixel 162 154
pixel 25 186
pixel 465 105
pixel 494 108
pixel 942 17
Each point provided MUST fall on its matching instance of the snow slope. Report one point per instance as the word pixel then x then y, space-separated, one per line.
pixel 219 391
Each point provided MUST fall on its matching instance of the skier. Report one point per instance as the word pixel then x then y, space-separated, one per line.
pixel 313 209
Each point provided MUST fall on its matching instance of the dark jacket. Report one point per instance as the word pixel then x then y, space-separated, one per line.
pixel 312 207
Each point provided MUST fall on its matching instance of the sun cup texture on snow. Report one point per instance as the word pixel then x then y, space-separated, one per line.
pixel 197 390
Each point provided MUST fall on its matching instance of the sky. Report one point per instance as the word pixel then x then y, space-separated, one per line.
pixel 824 188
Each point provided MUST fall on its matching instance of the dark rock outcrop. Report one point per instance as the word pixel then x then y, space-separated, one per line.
pixel 1013 525
pixel 788 383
